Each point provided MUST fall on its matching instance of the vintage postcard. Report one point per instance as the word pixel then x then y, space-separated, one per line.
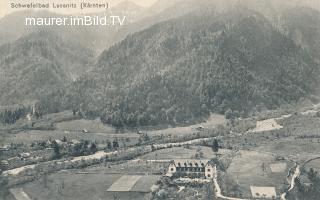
pixel 159 99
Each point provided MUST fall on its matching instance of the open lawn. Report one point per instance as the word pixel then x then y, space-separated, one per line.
pixel 297 149
pixel 130 167
pixel 47 122
pixel 58 125
pixel 70 185
pixel 212 122
pixel 250 168
pixel 300 125
pixel 278 167
pixel 27 137
pixel 94 126
pixel 180 153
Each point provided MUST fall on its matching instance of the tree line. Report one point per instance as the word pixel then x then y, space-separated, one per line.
pixel 10 116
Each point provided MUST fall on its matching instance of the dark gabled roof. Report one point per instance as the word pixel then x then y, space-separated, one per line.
pixel 191 163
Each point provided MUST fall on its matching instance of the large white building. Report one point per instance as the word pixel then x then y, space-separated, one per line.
pixel 191 166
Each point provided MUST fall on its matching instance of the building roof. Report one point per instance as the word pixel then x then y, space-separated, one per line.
pixel 191 163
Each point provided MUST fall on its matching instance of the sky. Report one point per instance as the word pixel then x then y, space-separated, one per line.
pixel 5 4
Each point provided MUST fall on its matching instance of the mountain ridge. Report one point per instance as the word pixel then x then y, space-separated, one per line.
pixel 39 63
pixel 215 62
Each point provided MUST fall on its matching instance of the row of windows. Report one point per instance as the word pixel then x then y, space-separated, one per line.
pixel 191 165
pixel 190 169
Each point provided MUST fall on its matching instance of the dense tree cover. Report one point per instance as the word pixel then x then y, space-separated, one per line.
pixel 3 185
pixel 38 65
pixel 174 72
pixel 56 150
pixel 82 148
pixel 215 146
pixel 303 26
pixel 307 192
pixel 11 115
pixel 180 70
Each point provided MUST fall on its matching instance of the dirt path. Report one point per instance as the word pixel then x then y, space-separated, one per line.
pixel 19 194
pixel 292 183
pixel 217 189
pixel 296 175
pixel 312 159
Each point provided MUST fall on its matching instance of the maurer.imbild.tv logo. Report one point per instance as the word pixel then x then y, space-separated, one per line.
pixel 76 21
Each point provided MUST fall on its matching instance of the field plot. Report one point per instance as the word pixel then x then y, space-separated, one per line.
pixel 70 185
pixel 265 192
pixel 131 167
pixel 94 183
pixel 28 137
pixel 179 153
pixel 267 125
pixel 301 149
pixel 212 122
pixel 58 125
pixel 301 126
pixel 144 184
pixel 252 168
pixel 124 184
pixel 133 183
pixel 19 194
pixel 278 167
pixel 47 122
pixel 90 125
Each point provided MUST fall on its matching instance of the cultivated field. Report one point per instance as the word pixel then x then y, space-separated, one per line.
pixel 133 183
pixel 266 192
pixel 267 125
pixel 278 167
pixel 124 183
pixel 145 183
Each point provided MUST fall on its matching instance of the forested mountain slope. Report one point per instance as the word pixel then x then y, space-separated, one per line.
pixel 303 26
pixel 38 64
pixel 180 70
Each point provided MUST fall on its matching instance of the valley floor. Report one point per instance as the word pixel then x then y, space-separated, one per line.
pixel 265 160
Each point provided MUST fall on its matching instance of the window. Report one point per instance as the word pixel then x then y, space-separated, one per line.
pixel 208 170
pixel 209 175
pixel 172 169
